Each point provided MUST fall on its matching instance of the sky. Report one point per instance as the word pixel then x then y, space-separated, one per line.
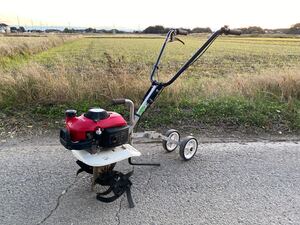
pixel 139 14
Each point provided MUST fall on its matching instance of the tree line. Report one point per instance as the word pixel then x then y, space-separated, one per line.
pixel 93 30
pixel 294 29
pixel 158 29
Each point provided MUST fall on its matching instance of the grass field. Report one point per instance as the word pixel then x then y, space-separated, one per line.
pixel 252 82
pixel 21 47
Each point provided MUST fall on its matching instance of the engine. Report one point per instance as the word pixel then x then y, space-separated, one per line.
pixel 95 129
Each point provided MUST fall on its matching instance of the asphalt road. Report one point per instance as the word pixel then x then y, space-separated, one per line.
pixel 226 183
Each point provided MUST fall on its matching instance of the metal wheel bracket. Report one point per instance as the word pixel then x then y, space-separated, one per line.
pixel 154 136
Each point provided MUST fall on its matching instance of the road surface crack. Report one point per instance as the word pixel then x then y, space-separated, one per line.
pixel 119 211
pixel 58 202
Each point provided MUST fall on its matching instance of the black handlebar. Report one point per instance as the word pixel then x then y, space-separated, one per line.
pixel 156 86
pixel 224 30
pixel 181 32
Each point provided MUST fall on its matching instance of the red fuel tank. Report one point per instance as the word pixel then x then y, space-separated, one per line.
pixel 79 126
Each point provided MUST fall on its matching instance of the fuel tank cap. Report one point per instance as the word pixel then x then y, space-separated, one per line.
pixel 96 114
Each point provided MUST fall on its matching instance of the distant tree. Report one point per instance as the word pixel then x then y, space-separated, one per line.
pixel 67 30
pixel 158 29
pixel 22 29
pixel 116 31
pixel 53 31
pixel 14 29
pixel 155 30
pixel 295 29
pixel 90 30
pixel 37 31
pixel 253 30
pixel 201 30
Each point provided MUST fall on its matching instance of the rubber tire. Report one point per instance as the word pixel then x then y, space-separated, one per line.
pixel 167 134
pixel 182 145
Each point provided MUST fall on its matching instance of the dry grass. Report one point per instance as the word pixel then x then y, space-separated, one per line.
pixel 283 84
pixel 37 84
pixel 12 46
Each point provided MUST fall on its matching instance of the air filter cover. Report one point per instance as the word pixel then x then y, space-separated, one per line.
pixel 96 114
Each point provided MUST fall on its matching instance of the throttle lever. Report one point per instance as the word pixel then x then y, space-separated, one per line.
pixel 177 39
pixel 174 38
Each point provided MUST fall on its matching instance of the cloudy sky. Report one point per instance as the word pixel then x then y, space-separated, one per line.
pixel 138 14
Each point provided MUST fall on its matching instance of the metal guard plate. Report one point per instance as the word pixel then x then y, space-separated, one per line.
pixel 108 156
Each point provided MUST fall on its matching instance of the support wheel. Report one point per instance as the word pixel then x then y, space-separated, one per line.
pixel 188 148
pixel 172 135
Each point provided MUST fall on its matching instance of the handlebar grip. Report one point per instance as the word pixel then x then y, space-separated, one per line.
pixel 181 32
pixel 118 101
pixel 233 32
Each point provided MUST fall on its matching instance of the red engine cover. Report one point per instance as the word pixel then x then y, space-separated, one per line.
pixel 78 126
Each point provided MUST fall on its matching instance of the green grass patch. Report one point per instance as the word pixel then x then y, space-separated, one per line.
pixel 231 111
